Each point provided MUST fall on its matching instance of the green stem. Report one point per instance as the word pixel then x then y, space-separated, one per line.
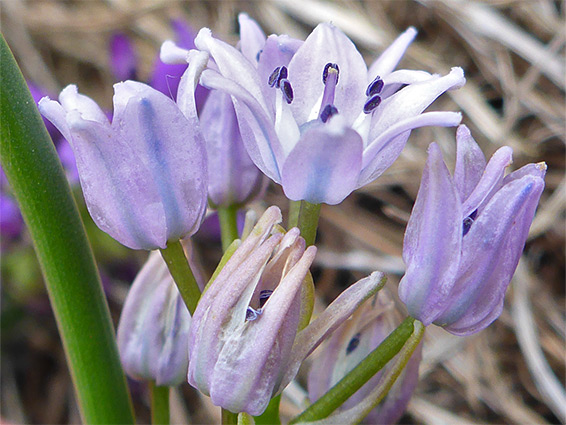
pixel 159 404
pixel 358 376
pixel 228 225
pixel 271 414
pixel 306 219
pixel 229 418
pixel 179 267
pixel 38 182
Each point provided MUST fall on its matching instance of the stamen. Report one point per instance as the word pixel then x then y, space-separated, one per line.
pixel 258 55
pixel 468 221
pixel 375 86
pixel 330 67
pixel 276 76
pixel 264 296
pixel 286 89
pixel 372 103
pixel 353 344
pixel 252 314
pixel 327 112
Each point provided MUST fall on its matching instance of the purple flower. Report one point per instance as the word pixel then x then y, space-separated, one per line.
pixel 144 175
pixel 123 59
pixel 154 326
pixel 11 221
pixel 248 335
pixel 233 179
pixel 348 346
pixel 465 236
pixel 313 117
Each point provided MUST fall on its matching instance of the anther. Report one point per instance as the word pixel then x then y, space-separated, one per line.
pixel 330 67
pixel 375 86
pixel 252 314
pixel 276 76
pixel 372 103
pixel 468 221
pixel 327 112
pixel 286 89
pixel 264 296
pixel 258 55
pixel 353 344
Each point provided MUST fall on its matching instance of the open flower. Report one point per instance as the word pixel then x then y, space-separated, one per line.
pixel 153 331
pixel 248 335
pixel 144 175
pixel 465 236
pixel 313 117
pixel 347 347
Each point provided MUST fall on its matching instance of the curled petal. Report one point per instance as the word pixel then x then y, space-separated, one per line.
pixel 252 37
pixel 432 244
pixel 324 165
pixel 71 100
pixel 388 60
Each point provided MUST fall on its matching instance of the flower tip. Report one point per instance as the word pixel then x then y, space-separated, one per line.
pixel 463 132
pixel 457 74
pixel 202 38
pixel 540 165
pixel 411 32
pixel 170 53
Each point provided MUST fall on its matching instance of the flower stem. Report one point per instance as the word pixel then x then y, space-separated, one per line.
pixel 228 225
pixel 178 265
pixel 304 215
pixel 271 414
pixel 229 418
pixel 358 376
pixel 38 182
pixel 159 404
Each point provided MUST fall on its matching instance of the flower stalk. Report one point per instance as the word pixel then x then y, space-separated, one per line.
pixel 304 215
pixel 362 373
pixel 180 269
pixel 228 225
pixel 159 404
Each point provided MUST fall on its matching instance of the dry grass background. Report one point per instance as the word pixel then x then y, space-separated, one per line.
pixel 514 57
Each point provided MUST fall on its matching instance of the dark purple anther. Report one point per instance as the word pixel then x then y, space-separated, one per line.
pixel 264 296
pixel 353 344
pixel 286 89
pixel 252 314
pixel 372 103
pixel 327 68
pixel 276 76
pixel 327 112
pixel 468 221
pixel 375 86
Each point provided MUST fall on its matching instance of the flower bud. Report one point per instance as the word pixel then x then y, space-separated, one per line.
pixel 348 346
pixel 465 236
pixel 247 339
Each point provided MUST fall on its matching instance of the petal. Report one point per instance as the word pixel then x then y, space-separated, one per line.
pixel 252 37
pixel 324 165
pixel 170 53
pixel 172 151
pixel 490 180
pixel 232 64
pixel 413 100
pixel 256 127
pixel 54 112
pixel 431 248
pixel 71 100
pixel 330 319
pixel 470 163
pixel 397 79
pixel 389 59
pixel 327 44
pixel 386 148
pixel 490 254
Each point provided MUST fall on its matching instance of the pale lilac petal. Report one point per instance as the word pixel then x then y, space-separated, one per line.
pixel 327 44
pixel 413 100
pixel 71 100
pixel 256 127
pixel 535 170
pixel 57 116
pixel 252 37
pixel 232 64
pixel 186 97
pixel 388 60
pixel 490 180
pixel 329 320
pixel 491 252
pixel 324 165
pixel 170 53
pixel 123 60
pixel 386 148
pixel 470 163
pixel 432 244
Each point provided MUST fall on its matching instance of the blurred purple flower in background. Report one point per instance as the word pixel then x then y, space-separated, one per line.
pixel 248 335
pixel 349 345
pixel 144 175
pixel 123 58
pixel 465 236
pixel 312 116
